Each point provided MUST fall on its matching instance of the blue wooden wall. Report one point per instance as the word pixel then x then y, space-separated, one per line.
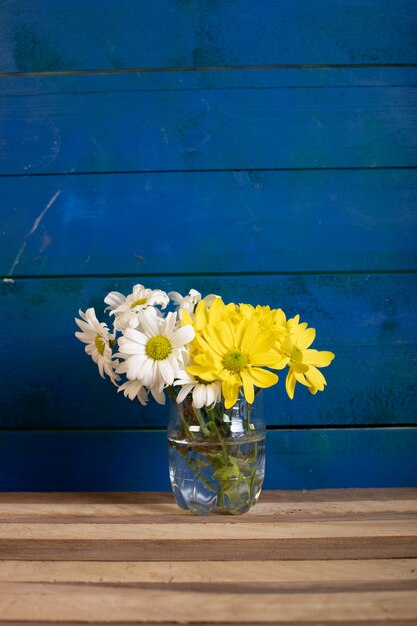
pixel 265 151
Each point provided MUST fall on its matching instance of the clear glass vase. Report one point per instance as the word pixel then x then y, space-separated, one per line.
pixel 216 456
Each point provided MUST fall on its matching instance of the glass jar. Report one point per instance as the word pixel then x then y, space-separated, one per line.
pixel 216 456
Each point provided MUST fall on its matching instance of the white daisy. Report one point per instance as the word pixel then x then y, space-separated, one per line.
pixel 126 308
pixel 204 394
pixel 97 338
pixel 135 389
pixel 188 303
pixel 157 353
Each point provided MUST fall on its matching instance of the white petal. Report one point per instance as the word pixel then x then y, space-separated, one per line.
pixel 168 329
pixel 158 297
pixel 158 395
pixel 136 336
pixel 183 378
pixel 134 366
pixel 175 297
pixel 114 299
pixel 183 393
pixel 130 347
pixel 199 396
pixel 210 299
pixel 166 372
pixel 182 336
pixel 149 323
pixel 84 337
pixel 148 372
pixel 85 327
pixel 133 321
pixel 195 294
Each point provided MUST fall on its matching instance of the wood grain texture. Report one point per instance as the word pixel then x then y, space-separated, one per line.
pixel 61 602
pixel 58 603
pixel 209 129
pixel 275 505
pixel 282 573
pixel 296 459
pixel 58 37
pixel 310 572
pixel 368 321
pixel 62 222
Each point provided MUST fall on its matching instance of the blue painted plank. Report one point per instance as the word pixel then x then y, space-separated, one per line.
pixel 209 129
pixel 369 321
pixel 231 221
pixel 159 80
pixel 45 36
pixel 137 461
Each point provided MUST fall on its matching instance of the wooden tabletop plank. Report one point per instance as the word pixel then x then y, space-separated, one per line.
pixel 388 495
pixel 319 571
pixel 61 602
pixel 210 549
pixel 298 558
pixel 228 530
pixel 51 512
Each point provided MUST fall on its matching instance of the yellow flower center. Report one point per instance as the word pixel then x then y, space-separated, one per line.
pixel 235 361
pixel 100 344
pixel 137 302
pixel 296 354
pixel 158 348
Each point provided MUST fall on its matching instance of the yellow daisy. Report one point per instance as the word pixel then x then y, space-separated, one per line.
pixel 302 361
pixel 235 352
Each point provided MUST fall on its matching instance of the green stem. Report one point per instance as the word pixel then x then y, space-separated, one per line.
pixel 197 413
pixel 180 413
pixel 218 435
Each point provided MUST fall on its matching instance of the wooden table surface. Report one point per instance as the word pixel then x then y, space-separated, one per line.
pixel 313 557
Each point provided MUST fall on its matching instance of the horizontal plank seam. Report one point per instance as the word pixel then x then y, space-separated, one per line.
pixel 12 278
pixel 213 68
pixel 215 170
pixel 278 588
pixel 102 92
pixel 270 428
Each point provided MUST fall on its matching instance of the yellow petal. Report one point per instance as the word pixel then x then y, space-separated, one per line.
pixel 315 378
pixel 321 359
pixel 202 372
pixel 264 342
pixel 215 311
pixel 306 338
pixel 249 337
pixel 268 359
pixel 248 386
pixel 230 393
pixel 225 334
pixel 186 318
pixel 240 332
pixel 201 317
pixel 202 359
pixel 286 345
pixel 263 378
pixel 300 378
pixel 213 339
pixel 290 382
pixel 300 368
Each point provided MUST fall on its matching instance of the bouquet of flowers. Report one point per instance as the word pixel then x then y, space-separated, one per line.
pixel 204 348
pixel 212 358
